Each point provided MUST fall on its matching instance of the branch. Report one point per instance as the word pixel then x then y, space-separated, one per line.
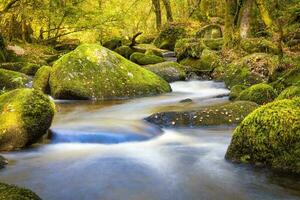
pixel 133 42
pixel 9 6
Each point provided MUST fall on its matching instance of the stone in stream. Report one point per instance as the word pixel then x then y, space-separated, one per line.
pixel 12 192
pixel 222 114
pixel 3 162
pixel 146 59
pixel 26 115
pixel 269 136
pixel 41 79
pixel 10 80
pixel 94 72
pixel 169 71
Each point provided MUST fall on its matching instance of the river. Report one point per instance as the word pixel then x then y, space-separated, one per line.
pixel 106 151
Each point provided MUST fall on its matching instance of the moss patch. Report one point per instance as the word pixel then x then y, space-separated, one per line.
pixel 124 51
pixel 235 91
pixel 259 45
pixel 11 80
pixel 143 59
pixel 41 79
pixel 270 136
pixel 169 71
pixel 26 115
pixel 260 93
pixel 11 192
pixel 94 72
pixel 289 93
pixel 223 114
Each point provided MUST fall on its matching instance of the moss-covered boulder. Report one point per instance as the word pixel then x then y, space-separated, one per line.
pixel 169 35
pixel 289 78
pixel 143 59
pixel 235 91
pixel 10 80
pixel 41 79
pixel 11 192
pixel 26 115
pixel 289 93
pixel 13 66
pixel 259 45
pixel 113 43
pixel 213 44
pixel 260 93
pixel 188 48
pixel 223 114
pixel 270 136
pixel 94 72
pixel 125 51
pixel 30 69
pixel 250 70
pixel 169 71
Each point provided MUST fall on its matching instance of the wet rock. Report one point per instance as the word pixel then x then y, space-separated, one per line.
pixel 10 80
pixel 41 79
pixel 145 59
pixel 260 93
pixel 3 162
pixel 169 71
pixel 11 192
pixel 270 135
pixel 223 114
pixel 186 101
pixel 26 115
pixel 94 72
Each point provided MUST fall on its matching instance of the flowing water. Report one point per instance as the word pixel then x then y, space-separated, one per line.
pixel 106 151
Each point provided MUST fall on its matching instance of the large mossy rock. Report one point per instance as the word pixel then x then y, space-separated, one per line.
pixel 235 91
pixel 11 192
pixel 289 93
pixel 289 78
pixel 30 69
pixel 26 115
pixel 169 71
pixel 260 93
pixel 113 43
pixel 250 70
pixel 259 45
pixel 145 59
pixel 169 35
pixel 10 80
pixel 41 79
pixel 94 72
pixel 188 48
pixel 269 136
pixel 223 114
pixel 124 51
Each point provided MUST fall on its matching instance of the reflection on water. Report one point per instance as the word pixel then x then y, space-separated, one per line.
pixel 106 151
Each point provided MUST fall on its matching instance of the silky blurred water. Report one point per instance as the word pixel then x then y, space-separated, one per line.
pixel 107 151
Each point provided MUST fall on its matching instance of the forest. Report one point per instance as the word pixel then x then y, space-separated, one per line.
pixel 149 99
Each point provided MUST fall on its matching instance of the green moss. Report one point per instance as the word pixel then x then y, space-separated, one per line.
pixel 290 78
pixel 94 72
pixel 235 91
pixel 260 93
pixel 30 69
pixel 14 66
pixel 113 43
pixel 270 136
pixel 169 71
pixel 289 93
pixel 41 79
pixel 125 51
pixel 169 35
pixel 250 70
pixel 214 44
pixel 259 45
pixel 223 114
pixel 143 59
pixel 11 80
pixel 188 48
pixel 26 116
pixel 11 192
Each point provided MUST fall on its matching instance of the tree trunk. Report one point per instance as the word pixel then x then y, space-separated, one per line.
pixel 245 18
pixel 168 10
pixel 157 9
pixel 230 13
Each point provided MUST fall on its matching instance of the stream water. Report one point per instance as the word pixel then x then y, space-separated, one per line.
pixel 107 151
